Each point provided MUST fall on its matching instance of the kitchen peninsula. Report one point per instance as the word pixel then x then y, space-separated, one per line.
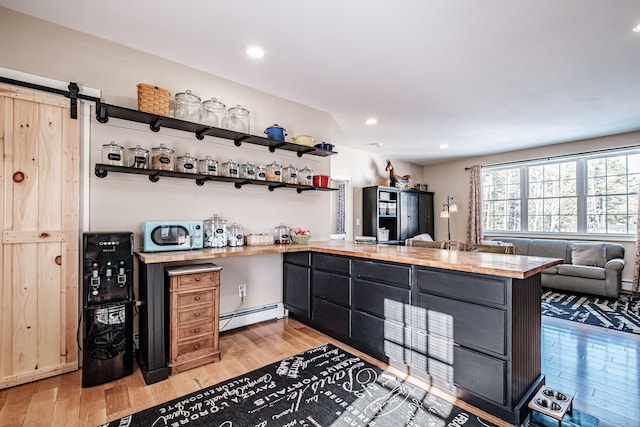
pixel 464 322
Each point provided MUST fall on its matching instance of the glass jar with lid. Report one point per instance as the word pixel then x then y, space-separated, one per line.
pixel 282 234
pixel 237 119
pixel 290 174
pixel 162 158
pixel 113 154
pixel 212 112
pixel 230 169
pixel 235 235
pixel 248 171
pixel 137 157
pixel 187 106
pixel 305 176
pixel 208 166
pixel 274 172
pixel 215 232
pixel 261 173
pixel 187 164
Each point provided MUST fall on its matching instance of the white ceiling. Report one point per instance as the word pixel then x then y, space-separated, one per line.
pixel 481 76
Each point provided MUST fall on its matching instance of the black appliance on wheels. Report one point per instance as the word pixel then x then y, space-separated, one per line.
pixel 107 273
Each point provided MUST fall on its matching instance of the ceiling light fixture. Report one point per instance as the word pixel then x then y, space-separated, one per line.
pixel 375 144
pixel 637 28
pixel 371 121
pixel 255 52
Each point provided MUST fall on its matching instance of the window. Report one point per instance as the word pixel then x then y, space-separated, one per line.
pixel 589 194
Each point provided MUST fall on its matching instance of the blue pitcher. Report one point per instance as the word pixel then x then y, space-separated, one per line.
pixel 276 132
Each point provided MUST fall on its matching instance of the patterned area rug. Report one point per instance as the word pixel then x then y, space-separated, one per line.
pixel 622 314
pixel 324 386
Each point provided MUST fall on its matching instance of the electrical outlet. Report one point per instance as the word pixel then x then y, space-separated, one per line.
pixel 242 290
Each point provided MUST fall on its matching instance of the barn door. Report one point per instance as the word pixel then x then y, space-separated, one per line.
pixel 39 191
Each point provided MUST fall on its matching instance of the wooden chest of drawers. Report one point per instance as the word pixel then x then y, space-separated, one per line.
pixel 194 302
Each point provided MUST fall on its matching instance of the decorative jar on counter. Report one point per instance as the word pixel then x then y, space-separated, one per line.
pixel 208 166
pixel 187 164
pixel 274 172
pixel 235 235
pixel 230 169
pixel 162 158
pixel 215 232
pixel 305 176
pixel 113 154
pixel 282 234
pixel 137 157
pixel 290 174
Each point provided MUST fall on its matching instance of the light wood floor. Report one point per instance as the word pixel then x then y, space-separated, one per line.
pixel 600 367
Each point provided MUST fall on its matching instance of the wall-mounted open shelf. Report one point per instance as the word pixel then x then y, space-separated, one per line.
pixel 154 175
pixel 156 122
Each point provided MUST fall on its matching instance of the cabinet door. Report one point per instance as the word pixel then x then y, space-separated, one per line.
pixel 425 213
pixel 408 215
pixel 39 193
pixel 331 318
pixel 296 289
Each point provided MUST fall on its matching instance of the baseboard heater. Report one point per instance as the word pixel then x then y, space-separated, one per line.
pixel 251 316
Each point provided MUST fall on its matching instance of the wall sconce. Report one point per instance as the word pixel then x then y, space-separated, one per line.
pixel 447 209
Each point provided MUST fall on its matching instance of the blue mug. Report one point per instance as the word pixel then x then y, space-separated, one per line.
pixel 276 132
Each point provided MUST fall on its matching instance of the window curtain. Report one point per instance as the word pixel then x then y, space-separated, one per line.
pixel 636 266
pixel 474 224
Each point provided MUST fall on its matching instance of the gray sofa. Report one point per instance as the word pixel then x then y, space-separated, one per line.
pixel 589 267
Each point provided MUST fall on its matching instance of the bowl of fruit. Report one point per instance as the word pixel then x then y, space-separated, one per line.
pixel 300 236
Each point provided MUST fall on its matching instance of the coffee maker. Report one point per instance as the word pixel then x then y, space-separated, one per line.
pixel 107 273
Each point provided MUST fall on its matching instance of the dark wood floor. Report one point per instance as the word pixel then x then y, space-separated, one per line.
pixel 601 368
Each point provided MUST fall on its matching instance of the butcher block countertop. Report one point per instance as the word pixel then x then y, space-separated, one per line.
pixel 514 266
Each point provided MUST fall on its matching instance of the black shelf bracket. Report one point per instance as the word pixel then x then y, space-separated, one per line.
pixel 300 190
pixel 155 177
pixel 310 150
pixel 273 187
pixel 238 141
pixel 101 173
pixel 274 147
pixel 155 125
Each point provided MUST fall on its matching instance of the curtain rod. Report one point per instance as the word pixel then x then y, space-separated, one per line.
pixel 604 150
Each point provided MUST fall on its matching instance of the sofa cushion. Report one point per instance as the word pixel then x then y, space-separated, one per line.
pixel 584 271
pixel 550 249
pixel 592 254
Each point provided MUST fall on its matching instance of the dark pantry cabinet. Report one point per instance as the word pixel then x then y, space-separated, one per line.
pixel 404 213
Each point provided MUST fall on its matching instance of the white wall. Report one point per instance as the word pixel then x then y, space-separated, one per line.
pixel 451 178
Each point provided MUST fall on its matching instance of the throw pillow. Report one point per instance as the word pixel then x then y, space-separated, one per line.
pixel 592 254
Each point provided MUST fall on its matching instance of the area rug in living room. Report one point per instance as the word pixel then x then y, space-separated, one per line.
pixel 622 313
pixel 323 386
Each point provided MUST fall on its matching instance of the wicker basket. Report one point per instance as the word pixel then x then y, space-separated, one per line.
pixel 153 99
pixel 300 239
pixel 259 239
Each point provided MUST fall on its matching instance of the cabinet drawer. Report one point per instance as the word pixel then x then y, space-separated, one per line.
pixel 393 274
pixel 428 366
pixel 186 299
pixel 197 279
pixel 372 333
pixel 194 330
pixel 196 313
pixel 334 263
pixel 298 258
pixel 465 323
pixel 385 301
pixel 331 318
pixel 483 289
pixel 191 348
pixel 430 345
pixel 481 374
pixel 332 287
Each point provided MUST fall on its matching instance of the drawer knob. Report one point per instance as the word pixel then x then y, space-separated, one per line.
pixel 197 298
pixel 196 330
pixel 196 315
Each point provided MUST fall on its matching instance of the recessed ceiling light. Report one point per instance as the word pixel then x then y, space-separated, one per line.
pixel 255 52
pixel 444 146
pixel 637 28
pixel 371 121
pixel 375 144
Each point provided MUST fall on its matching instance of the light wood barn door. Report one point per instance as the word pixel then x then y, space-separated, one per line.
pixel 39 190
